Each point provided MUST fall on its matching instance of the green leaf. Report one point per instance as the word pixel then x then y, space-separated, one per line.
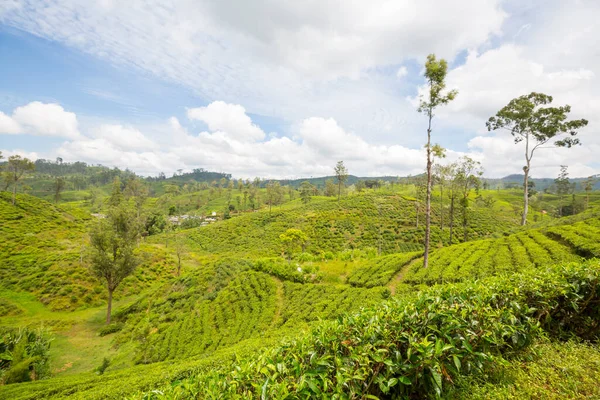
pixel 457 362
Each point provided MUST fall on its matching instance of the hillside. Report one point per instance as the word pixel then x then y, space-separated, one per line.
pixel 327 316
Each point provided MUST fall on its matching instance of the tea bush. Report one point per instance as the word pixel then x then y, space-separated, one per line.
pixel 414 348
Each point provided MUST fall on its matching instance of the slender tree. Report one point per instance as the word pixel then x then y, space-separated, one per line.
pixel 341 175
pixel 180 251
pixel 112 257
pixel 468 177
pixel 15 169
pixel 442 175
pixel 138 191
pixel 563 187
pixel 435 74
pixel 530 122
pixel 57 187
pixel 588 186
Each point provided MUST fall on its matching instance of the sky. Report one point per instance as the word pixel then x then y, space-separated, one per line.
pixel 285 89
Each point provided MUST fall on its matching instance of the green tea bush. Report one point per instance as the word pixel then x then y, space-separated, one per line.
pixel 379 271
pixel 483 258
pixel 111 328
pixel 24 355
pixel 415 348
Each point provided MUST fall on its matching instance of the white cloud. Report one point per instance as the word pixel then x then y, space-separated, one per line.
pixel 127 138
pixel 230 119
pixel 402 72
pixel 301 59
pixel 40 119
pixel 341 61
pixel 8 125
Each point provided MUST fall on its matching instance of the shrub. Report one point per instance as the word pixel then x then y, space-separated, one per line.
pixel 110 328
pixel 417 347
pixel 103 366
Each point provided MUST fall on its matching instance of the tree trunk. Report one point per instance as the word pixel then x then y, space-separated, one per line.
pixel 14 192
pixel 465 220
pixel 451 217
pixel 525 184
pixel 178 264
pixel 428 198
pixel 339 190
pixel 109 308
pixel 441 207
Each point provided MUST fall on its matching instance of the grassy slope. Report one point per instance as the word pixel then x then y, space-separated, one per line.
pixel 354 225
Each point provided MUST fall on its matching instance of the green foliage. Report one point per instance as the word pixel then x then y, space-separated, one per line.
pixel 24 355
pixel 110 328
pixel 41 251
pixel 583 236
pixel 417 347
pixel 102 367
pixel 379 271
pixel 551 370
pixel 285 270
pixel 355 224
pixel 490 257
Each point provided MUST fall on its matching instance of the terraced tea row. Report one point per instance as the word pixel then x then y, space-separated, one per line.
pixel 530 249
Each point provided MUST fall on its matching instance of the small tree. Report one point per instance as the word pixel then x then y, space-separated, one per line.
pixel 330 188
pixel 274 193
pixel 306 191
pixel 468 177
pixel 563 187
pixel 180 251
pixel 435 74
pixel 116 196
pixel 15 169
pixel 588 186
pixel 528 121
pixel 57 187
pixel 442 175
pixel 341 175
pixel 292 241
pixel 112 257
pixel 138 191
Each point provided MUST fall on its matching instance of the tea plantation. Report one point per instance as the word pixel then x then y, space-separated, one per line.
pixel 350 314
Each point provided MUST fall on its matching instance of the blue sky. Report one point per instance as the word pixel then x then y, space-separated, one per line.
pixel 286 90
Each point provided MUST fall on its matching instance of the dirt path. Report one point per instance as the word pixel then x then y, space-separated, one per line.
pixel 400 276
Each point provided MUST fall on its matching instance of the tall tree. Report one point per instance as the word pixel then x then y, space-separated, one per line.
pixel 57 187
pixel 435 74
pixel 529 121
pixel 15 169
pixel 112 257
pixel 341 175
pixel 306 191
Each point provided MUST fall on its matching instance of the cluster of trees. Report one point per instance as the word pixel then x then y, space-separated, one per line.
pixel 530 120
